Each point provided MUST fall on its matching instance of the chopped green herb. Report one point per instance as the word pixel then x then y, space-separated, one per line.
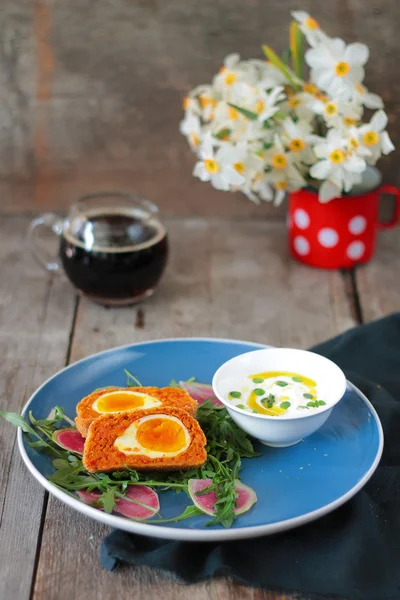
pixel 259 391
pixel 308 396
pixel 281 383
pixel 257 379
pixel 297 379
pixel 268 401
pixel 302 406
pixel 235 394
pixel 255 411
pixel 242 406
pixel 284 404
pixel 320 403
pixel 312 404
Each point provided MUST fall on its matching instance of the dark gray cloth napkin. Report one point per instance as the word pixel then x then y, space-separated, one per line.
pixel 352 553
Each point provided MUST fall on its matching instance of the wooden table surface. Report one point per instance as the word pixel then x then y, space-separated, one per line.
pixel 226 278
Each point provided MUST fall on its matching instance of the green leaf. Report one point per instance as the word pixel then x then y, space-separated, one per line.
pixel 107 499
pixel 285 404
pixel 257 380
pixel 297 379
pixel 312 404
pixel 222 133
pixel 235 395
pixel 247 113
pixel 190 511
pixel 320 403
pixel 280 65
pixel 282 383
pixel 242 406
pixel 308 396
pixel 296 48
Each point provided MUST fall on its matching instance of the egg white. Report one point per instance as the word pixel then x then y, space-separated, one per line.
pixel 127 443
pixel 149 402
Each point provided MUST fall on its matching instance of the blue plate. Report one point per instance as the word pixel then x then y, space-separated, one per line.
pixel 293 485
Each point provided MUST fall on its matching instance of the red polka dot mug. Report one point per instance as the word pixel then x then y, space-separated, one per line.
pixel 340 233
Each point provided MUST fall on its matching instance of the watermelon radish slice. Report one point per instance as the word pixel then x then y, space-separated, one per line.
pixel 139 493
pixel 69 439
pixel 89 497
pixel 200 392
pixel 245 500
pixel 142 494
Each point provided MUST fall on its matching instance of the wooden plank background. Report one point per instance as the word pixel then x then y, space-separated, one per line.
pixel 91 91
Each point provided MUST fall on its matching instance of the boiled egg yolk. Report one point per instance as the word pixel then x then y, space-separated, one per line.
pixel 120 400
pixel 154 436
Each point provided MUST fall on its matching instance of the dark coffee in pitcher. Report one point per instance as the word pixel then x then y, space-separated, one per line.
pixel 114 254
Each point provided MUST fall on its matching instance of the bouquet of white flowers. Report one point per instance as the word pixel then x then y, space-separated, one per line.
pixel 262 129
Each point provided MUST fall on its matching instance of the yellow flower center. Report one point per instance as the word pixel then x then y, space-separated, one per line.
pixel 321 96
pixel 353 143
pixel 311 23
pixel 330 109
pixel 279 161
pixel 296 145
pixel 239 166
pixel 195 139
pixel 206 100
pixel 349 122
pixel 230 78
pixel 360 88
pixel 371 138
pixel 259 106
pixel 337 157
pixel 310 88
pixel 342 69
pixel 186 103
pixel 211 166
pixel 294 101
pixel 233 114
pixel 281 185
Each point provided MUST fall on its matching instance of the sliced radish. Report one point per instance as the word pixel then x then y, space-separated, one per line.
pixel 146 503
pixel 245 500
pixel 200 392
pixel 89 497
pixel 69 439
pixel 140 493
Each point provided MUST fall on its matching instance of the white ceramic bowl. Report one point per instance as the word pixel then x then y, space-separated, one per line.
pixel 285 430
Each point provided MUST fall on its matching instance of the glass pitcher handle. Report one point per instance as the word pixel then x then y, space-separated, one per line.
pixel 43 257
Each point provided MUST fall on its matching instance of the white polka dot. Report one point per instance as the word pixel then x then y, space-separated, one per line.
pixel 355 250
pixel 357 225
pixel 327 237
pixel 301 245
pixel 301 218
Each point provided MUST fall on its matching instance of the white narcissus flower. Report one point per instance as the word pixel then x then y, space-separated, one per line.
pixel 336 164
pixel 191 128
pixel 309 26
pixel 259 188
pixel 337 112
pixel 363 96
pixel 337 68
pixel 242 160
pixel 281 168
pixel 300 105
pixel 297 137
pixel 373 137
pixel 212 168
pixel 231 73
pixel 266 105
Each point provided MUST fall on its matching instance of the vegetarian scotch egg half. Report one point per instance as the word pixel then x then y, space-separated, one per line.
pixel 155 436
pixel 116 400
pixel 121 400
